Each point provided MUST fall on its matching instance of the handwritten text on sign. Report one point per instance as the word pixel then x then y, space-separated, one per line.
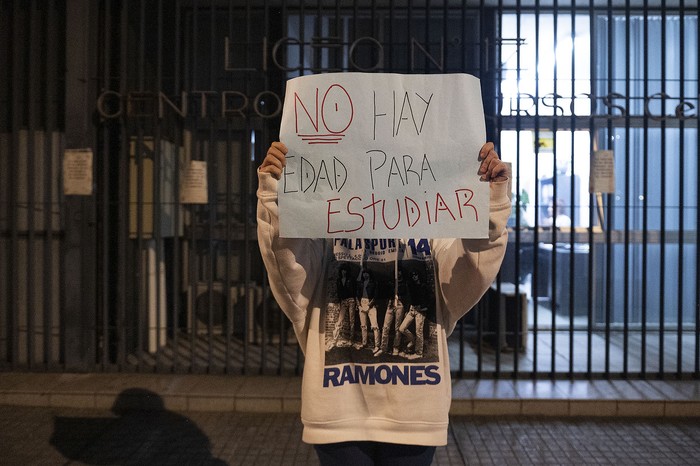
pixel 383 156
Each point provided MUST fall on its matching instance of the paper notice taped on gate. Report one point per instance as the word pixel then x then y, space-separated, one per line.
pixel 194 183
pixel 77 172
pixel 602 179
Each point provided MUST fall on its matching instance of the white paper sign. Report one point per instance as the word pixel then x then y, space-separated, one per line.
pixel 602 172
pixel 194 183
pixel 383 156
pixel 77 172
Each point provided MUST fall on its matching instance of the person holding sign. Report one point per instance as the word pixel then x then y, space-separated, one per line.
pixel 360 407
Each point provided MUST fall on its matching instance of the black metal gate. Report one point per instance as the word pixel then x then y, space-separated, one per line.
pixel 132 132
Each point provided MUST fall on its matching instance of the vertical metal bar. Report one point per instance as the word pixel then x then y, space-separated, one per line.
pixel 555 195
pixel 497 141
pixel 337 63
pixel 355 18
pixel 377 29
pixel 251 183
pixel 426 35
pixel 193 208
pixel 6 83
pixel 251 162
pixel 662 174
pixel 591 200
pixel 32 92
pixel 285 31
pixel 229 213
pixel 105 229
pixel 443 46
pixel 17 119
pixel 302 36
pixel 536 236
pixel 697 224
pixel 141 259
pixel 608 223
pixel 645 202
pixel 495 23
pixel 518 305
pixel 572 194
pixel 628 206
pixel 211 159
pixel 5 97
pixel 49 152
pixel 463 53
pixel 681 187
pixel 157 201
pixel 317 59
pixel 125 289
pixel 284 15
pixel 390 33
pixel 79 240
pixel 179 142
pixel 248 219
pixel 265 285
pixel 192 250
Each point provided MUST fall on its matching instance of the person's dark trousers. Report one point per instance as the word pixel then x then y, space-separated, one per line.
pixel 374 454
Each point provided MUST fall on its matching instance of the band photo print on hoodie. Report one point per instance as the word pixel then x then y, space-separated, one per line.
pixel 381 310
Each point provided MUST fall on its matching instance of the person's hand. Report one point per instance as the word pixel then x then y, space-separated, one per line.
pixel 492 168
pixel 275 159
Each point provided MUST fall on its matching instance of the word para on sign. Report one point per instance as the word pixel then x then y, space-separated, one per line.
pixel 399 169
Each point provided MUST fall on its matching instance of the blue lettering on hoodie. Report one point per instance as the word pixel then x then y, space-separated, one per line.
pixel 384 374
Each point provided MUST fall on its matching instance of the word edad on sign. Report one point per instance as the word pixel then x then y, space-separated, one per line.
pixel 383 156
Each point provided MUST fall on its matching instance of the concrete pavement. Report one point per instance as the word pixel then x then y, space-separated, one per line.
pixel 148 419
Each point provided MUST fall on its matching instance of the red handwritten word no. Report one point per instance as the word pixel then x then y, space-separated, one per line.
pixel 336 112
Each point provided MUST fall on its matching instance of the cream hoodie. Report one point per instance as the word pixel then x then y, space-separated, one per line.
pixel 414 294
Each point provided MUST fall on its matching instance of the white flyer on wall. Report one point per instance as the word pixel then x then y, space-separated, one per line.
pixel 77 172
pixel 602 172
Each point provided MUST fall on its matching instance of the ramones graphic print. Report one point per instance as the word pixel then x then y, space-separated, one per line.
pixel 381 311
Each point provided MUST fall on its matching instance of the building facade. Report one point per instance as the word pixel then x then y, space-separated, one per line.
pixel 132 131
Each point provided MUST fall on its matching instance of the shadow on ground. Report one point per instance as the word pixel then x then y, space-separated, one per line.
pixel 142 431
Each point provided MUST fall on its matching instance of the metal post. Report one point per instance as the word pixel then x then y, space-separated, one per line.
pixel 79 252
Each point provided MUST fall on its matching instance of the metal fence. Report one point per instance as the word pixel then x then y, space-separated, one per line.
pixel 132 131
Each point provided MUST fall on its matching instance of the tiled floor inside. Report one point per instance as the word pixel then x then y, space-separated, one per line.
pixel 559 345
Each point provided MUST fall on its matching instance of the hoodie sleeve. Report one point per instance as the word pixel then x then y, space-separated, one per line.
pixel 467 267
pixel 294 265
